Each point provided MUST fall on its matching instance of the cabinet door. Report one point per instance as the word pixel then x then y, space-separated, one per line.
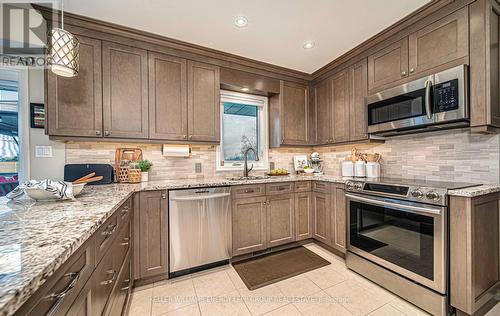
pixel 294 114
pixel 249 225
pixel 340 107
pixel 74 105
pixel 440 42
pixel 125 91
pixel 280 219
pixel 357 111
pixel 153 233
pixel 103 280
pixel 322 98
pixel 339 219
pixel 167 97
pixel 203 102
pixel 121 291
pixel 303 215
pixel 388 65
pixel 321 217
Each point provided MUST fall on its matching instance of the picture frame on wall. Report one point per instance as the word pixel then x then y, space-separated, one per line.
pixel 37 115
pixel 299 162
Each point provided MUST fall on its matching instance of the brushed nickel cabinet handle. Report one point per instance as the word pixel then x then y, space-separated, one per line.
pixel 190 137
pixel 98 133
pixel 412 70
pixel 125 288
pixel 163 196
pixel 107 133
pixel 109 281
pixel 75 276
pixel 403 73
pixel 111 229
pixel 249 191
pixel 185 136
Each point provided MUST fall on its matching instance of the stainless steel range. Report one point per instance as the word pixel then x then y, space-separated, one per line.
pixel 398 237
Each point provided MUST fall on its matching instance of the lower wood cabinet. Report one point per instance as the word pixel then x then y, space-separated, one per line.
pixel 280 219
pixel 303 215
pixel 152 234
pixel 321 206
pixel 249 225
pixel 339 218
pixel 474 252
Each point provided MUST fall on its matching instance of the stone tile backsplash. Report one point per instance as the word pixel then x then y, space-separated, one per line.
pixel 455 155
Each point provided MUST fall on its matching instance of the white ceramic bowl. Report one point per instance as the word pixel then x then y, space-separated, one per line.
pixel 42 195
pixel 309 170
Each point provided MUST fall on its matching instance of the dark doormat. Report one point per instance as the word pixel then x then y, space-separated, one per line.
pixel 278 266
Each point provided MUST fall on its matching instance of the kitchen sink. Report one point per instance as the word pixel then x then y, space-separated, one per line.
pixel 241 178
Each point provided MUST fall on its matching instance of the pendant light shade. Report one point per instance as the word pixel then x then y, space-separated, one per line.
pixel 64 51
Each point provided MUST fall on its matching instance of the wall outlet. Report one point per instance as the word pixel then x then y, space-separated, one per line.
pixel 43 152
pixel 271 165
pixel 197 167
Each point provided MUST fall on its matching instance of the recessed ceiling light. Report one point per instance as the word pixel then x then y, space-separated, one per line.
pixel 240 21
pixel 308 44
pixel 244 89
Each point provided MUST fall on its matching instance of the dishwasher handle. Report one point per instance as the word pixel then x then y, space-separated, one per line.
pixel 200 197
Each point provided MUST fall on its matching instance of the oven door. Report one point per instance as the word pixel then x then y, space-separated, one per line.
pixel 406 237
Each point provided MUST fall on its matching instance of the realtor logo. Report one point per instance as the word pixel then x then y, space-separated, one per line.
pixel 24 31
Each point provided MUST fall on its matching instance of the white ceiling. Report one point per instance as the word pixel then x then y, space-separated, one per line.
pixel 276 29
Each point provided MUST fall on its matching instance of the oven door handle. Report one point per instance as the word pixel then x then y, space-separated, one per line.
pixel 428 99
pixel 402 207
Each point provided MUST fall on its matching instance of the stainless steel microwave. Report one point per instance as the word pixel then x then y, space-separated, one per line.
pixel 438 101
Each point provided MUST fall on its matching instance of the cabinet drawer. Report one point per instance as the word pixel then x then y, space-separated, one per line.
pixel 104 236
pixel 124 212
pixel 302 186
pixel 64 289
pixel 121 291
pixel 246 191
pixel 319 186
pixel 280 188
pixel 121 246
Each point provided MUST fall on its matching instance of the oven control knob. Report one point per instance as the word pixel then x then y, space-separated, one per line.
pixel 417 193
pixel 358 186
pixel 349 185
pixel 433 196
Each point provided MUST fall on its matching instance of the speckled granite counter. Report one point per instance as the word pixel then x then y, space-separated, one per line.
pixel 475 191
pixel 37 238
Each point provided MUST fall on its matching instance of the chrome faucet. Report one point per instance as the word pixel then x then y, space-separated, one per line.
pixel 245 166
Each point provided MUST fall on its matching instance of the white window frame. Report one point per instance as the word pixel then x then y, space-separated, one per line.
pixel 249 99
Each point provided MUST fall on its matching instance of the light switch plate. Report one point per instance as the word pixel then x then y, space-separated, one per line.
pixel 43 151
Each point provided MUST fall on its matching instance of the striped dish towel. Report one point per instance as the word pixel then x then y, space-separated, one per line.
pixel 62 190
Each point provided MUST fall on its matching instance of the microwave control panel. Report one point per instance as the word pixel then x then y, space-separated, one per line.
pixel 446 96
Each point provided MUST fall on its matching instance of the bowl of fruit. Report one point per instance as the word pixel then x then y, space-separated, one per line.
pixel 308 170
pixel 278 172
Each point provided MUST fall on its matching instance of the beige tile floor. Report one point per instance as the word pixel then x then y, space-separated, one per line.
pixel 331 290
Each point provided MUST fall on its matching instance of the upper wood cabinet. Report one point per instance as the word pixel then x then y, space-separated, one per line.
pixel 440 42
pixel 74 105
pixel 249 219
pixel 358 124
pixel 203 102
pixel 152 234
pixel 340 107
pixel 167 97
pixel 294 109
pixel 125 91
pixel 388 64
pixel 322 98
pixel 280 219
pixel 485 65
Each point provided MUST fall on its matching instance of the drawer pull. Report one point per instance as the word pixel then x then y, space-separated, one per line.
pixel 125 242
pixel 109 281
pixel 125 288
pixel 108 232
pixel 249 191
pixel 68 288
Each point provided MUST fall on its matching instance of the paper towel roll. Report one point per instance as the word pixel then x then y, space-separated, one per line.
pixel 176 150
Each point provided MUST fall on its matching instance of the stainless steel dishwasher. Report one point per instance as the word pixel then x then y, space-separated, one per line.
pixel 199 228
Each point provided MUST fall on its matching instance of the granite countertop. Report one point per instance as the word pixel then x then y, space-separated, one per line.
pixel 474 191
pixel 36 238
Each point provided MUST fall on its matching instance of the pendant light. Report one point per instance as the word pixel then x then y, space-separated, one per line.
pixel 64 51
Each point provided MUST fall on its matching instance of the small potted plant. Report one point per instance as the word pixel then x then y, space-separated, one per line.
pixel 145 166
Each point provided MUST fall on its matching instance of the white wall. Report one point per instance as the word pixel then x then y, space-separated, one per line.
pixel 43 168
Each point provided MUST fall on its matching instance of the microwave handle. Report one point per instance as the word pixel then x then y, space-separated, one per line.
pixel 428 100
